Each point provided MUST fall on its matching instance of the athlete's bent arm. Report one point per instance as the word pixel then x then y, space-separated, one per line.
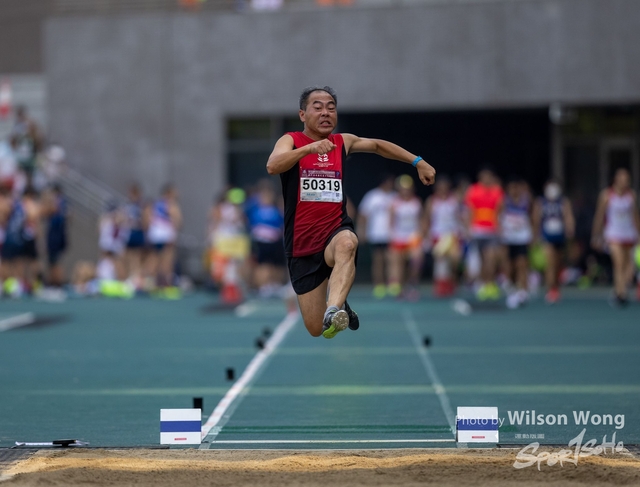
pixel 284 156
pixel 389 150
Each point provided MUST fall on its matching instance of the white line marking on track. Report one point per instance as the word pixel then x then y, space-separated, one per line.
pixel 16 321
pixel 440 391
pixel 276 442
pixel 228 404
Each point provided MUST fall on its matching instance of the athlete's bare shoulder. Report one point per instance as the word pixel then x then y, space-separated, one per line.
pixel 286 138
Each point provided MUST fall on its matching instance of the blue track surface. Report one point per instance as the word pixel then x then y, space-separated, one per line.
pixel 104 370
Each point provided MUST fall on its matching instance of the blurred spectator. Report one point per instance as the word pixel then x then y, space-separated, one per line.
pixel 373 229
pixel 8 166
pixel 26 141
pixel 19 252
pixel 443 228
pixel 405 240
pixel 553 224
pixel 617 224
pixel 6 205
pixel 135 236
pixel 111 242
pixel 165 219
pixel 266 223
pixel 484 200
pixel 53 163
pixel 55 211
pixel 517 235
pixel 229 244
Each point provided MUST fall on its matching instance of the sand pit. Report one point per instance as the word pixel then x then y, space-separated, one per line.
pixel 312 468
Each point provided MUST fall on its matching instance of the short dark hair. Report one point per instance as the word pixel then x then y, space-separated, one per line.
pixel 304 96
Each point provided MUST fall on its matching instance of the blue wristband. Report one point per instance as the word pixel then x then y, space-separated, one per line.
pixel 416 161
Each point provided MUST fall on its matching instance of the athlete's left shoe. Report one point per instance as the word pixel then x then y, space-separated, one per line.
pixel 354 321
pixel 335 321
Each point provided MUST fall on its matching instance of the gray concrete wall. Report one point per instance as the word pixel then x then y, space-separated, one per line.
pixel 145 97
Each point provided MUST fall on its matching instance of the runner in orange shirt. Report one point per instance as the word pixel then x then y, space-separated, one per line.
pixel 484 200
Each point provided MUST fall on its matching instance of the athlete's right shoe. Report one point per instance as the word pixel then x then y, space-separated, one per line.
pixel 335 321
pixel 354 321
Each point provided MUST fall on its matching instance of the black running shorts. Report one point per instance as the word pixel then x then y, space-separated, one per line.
pixel 308 272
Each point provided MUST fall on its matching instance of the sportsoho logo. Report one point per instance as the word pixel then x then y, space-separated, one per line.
pixel 530 456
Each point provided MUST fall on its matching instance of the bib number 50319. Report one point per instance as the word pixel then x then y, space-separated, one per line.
pixel 321 184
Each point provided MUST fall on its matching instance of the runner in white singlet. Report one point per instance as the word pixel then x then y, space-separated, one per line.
pixel 443 223
pixel 373 228
pixel 165 218
pixel 406 239
pixel 617 222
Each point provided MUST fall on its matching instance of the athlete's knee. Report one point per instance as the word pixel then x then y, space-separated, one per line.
pixel 347 244
pixel 314 327
pixel 315 332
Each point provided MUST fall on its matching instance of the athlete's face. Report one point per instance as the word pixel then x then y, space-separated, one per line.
pixel 406 193
pixel 442 188
pixel 485 177
pixel 513 190
pixel 622 179
pixel 320 115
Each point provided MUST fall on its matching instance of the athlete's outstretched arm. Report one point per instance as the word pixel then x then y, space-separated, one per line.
pixel 284 156
pixel 389 150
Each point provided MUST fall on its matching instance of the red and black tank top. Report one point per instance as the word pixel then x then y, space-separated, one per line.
pixel 315 204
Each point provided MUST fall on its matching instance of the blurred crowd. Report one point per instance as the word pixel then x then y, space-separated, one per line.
pixel 138 243
pixel 246 253
pixel 137 239
pixel 29 196
pixel 494 237
pixel 498 238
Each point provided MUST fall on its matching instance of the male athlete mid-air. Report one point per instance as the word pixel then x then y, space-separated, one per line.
pixel 319 237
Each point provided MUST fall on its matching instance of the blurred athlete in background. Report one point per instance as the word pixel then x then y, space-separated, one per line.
pixel 266 225
pixel 320 242
pixel 406 241
pixel 55 210
pixel 617 223
pixel 484 201
pixel 134 227
pixel 553 224
pixel 517 235
pixel 165 219
pixel 230 245
pixel 373 228
pixel 443 228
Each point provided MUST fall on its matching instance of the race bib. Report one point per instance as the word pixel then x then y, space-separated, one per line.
pixel 553 226
pixel 514 222
pixel 321 189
